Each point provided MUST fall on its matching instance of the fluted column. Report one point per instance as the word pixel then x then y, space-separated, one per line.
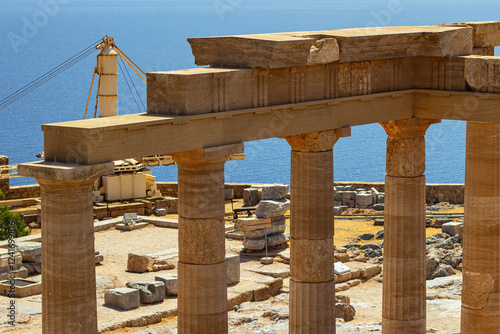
pixel 481 244
pixel 403 305
pixel 312 285
pixel 68 266
pixel 202 287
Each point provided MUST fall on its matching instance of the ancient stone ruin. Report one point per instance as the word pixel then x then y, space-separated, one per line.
pixel 309 88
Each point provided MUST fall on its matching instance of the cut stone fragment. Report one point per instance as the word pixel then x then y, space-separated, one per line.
pixel 124 298
pixel 274 191
pixel 150 292
pixel 269 208
pixel 233 268
pixel 170 281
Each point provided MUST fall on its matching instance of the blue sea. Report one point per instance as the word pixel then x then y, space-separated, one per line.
pixel 39 35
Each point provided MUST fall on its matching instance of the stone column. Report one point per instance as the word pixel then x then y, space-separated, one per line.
pixel 312 284
pixel 68 267
pixel 481 244
pixel 403 305
pixel 202 287
pixel 4 183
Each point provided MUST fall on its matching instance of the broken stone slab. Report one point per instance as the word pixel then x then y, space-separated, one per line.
pixel 260 244
pixel 478 71
pixel 30 251
pixel 150 292
pixel 264 50
pixel 486 33
pixel 170 282
pixel 131 227
pixel 12 258
pixel 253 223
pixel 270 208
pixel 366 270
pixel 453 228
pixel 232 268
pixel 250 196
pixel 140 263
pixel 274 191
pixel 269 231
pixel 123 298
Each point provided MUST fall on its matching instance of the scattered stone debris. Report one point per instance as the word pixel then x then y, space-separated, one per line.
pixel 348 197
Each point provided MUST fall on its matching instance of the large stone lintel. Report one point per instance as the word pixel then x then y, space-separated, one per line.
pixel 138 135
pixel 64 172
pixel 486 33
pixel 313 47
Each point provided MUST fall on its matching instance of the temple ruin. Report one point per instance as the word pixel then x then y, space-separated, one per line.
pixel 309 88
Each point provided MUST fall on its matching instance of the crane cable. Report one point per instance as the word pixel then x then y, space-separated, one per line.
pixel 133 96
pixel 135 88
pixel 41 80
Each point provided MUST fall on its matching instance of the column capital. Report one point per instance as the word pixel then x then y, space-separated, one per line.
pixel 63 171
pixel 410 127
pixel 319 141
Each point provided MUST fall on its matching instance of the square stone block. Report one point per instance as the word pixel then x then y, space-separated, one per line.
pixel 228 194
pixel 170 281
pixel 150 292
pixel 364 199
pixel 233 268
pixel 30 251
pixel 250 196
pixel 123 298
pixel 453 228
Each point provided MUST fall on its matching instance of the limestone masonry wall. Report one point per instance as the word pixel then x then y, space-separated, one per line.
pixel 435 192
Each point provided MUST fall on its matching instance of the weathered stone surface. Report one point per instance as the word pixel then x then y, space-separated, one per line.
pixel 254 244
pixel 274 191
pixel 344 311
pixel 264 50
pixel 124 298
pixel 269 231
pixel 170 282
pixel 250 224
pixel 453 228
pixel 150 292
pixel 364 200
pixel 275 240
pixel 482 73
pixel 233 268
pixel 250 197
pixel 140 263
pixel 486 33
pixel 268 208
pixel 30 251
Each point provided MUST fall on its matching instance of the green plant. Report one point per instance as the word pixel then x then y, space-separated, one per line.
pixel 11 225
pixel 2 195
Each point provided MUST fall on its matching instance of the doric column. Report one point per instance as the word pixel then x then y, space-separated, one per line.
pixel 481 244
pixel 312 285
pixel 202 288
pixel 68 267
pixel 403 305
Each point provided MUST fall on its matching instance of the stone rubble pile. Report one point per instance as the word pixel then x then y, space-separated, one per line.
pixel 348 197
pixel 11 265
pixel 444 255
pixel 269 218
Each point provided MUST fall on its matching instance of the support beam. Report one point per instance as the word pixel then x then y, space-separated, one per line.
pixel 68 273
pixel 202 291
pixel 312 284
pixel 481 244
pixel 403 305
pixel 97 140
